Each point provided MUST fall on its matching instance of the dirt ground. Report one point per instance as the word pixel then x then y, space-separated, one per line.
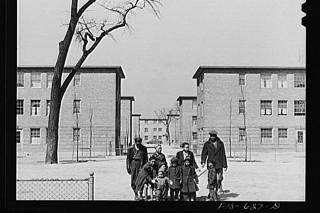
pixel 269 176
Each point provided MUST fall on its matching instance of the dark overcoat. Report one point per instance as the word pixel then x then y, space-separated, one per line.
pixel 215 155
pixel 174 174
pixel 133 153
pixel 160 159
pixel 189 179
pixel 145 176
pixel 190 154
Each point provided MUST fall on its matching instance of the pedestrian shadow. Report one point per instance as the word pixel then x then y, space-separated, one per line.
pixel 222 197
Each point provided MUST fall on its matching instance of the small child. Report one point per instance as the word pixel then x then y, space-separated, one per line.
pixel 162 185
pixel 189 181
pixel 174 174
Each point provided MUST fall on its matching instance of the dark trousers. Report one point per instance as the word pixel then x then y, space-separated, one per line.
pixel 135 168
pixel 189 196
pixel 215 177
pixel 162 194
pixel 174 194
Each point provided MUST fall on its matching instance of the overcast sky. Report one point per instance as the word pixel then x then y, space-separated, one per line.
pixel 160 56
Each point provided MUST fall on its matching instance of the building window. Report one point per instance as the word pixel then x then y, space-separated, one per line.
pixel 299 80
pixel 194 120
pixel 282 107
pixel 35 135
pixel 145 138
pixel 266 107
pixel 154 129
pixel 159 137
pixel 76 79
pixel 19 107
pixel 35 107
pixel 194 135
pixel 146 122
pixel 242 79
pixel 155 137
pixel 282 81
pixel 242 134
pixel 299 107
pixel 20 79
pixel 266 135
pixel 300 136
pixel 76 135
pixel 48 107
pixel 76 106
pixel 194 104
pixel 145 129
pixel 35 80
pixel 266 80
pixel 282 135
pixel 18 135
pixel 159 129
pixel 49 79
pixel 242 106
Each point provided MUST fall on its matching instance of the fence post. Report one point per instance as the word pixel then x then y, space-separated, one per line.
pixel 91 186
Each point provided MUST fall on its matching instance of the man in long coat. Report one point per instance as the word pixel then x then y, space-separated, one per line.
pixel 136 158
pixel 214 153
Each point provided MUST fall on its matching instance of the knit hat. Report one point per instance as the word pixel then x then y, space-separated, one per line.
pixel 213 132
pixel 174 160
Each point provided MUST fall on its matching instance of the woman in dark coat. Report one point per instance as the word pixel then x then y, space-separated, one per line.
pixel 145 176
pixel 189 181
pixel 181 155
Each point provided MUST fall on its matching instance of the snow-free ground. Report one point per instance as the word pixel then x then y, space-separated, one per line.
pixel 268 176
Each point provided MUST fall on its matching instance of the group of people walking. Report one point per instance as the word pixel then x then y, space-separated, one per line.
pixel 180 177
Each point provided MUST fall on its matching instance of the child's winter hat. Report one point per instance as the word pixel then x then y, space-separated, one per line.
pixel 174 160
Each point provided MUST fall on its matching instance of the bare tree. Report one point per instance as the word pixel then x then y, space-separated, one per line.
pixel 166 120
pixel 89 32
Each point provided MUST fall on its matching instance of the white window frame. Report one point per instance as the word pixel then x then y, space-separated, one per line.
pixel 146 137
pixel 282 138
pixel 299 110
pixel 242 79
pixel 19 107
pixel 242 135
pixel 154 137
pixel 35 82
pixel 264 111
pixel 34 109
pixel 194 136
pixel 20 130
pixel 49 79
pixel 282 110
pixel 265 80
pixel 154 129
pixel 76 134
pixel 303 136
pixel 299 80
pixel 265 136
pixel 145 129
pixel 20 79
pixel 159 129
pixel 194 120
pixel 35 135
pixel 242 106
pixel 76 106
pixel 282 80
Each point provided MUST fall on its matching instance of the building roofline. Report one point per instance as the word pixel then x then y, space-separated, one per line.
pixel 180 98
pixel 173 114
pixel 152 119
pixel 127 98
pixel 98 69
pixel 251 69
pixel 136 115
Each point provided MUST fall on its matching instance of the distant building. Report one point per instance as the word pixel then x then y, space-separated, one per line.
pixel 174 128
pixel 152 129
pixel 126 122
pixel 135 126
pixel 94 91
pixel 267 106
pixel 188 119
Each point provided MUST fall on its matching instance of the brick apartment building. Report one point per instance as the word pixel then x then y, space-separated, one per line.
pixel 267 105
pixel 188 119
pixel 94 91
pixel 126 122
pixel 152 129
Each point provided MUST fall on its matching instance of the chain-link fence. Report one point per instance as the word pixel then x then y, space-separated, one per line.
pixel 55 189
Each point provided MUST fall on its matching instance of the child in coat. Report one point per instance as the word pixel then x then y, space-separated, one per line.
pixel 174 174
pixel 189 181
pixel 212 182
pixel 161 186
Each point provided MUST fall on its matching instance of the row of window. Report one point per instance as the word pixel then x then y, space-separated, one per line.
pixel 35 107
pixel 36 139
pixel 154 129
pixel 154 121
pixel 266 107
pixel 153 137
pixel 35 81
pixel 266 81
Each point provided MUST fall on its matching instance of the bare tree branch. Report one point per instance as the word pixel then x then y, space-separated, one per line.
pixel 84 7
